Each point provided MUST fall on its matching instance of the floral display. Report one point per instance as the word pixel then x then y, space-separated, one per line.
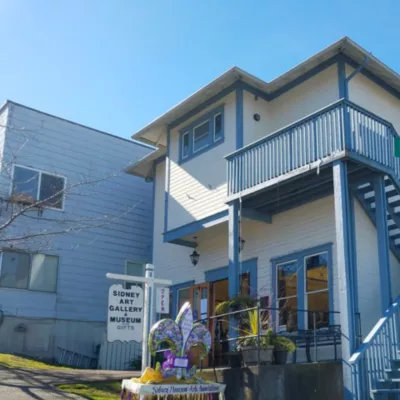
pixel 180 335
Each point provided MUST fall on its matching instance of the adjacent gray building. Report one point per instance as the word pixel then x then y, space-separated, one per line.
pixel 53 289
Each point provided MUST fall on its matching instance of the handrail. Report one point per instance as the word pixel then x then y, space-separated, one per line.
pixel 368 341
pixel 341 129
pixel 375 354
pixel 292 125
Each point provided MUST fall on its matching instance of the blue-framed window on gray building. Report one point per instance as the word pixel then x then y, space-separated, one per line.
pixel 21 270
pixel 202 134
pixel 303 281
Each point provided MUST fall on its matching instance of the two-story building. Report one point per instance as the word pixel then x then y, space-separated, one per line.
pixel 54 259
pixel 287 189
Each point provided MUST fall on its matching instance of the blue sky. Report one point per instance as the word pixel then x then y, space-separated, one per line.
pixel 116 65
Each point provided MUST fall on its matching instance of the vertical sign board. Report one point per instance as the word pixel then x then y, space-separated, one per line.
pixel 125 314
pixel 162 304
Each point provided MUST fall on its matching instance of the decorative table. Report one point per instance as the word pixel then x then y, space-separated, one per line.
pixel 133 390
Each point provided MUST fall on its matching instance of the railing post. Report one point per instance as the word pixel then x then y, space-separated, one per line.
pixel 315 337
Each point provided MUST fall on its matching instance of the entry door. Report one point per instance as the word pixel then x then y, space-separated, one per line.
pixel 201 306
pixel 201 301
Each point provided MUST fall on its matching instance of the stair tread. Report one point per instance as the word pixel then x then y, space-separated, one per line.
pixel 386 391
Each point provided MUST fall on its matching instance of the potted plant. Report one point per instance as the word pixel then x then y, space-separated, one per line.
pixel 236 303
pixel 282 347
pixel 252 347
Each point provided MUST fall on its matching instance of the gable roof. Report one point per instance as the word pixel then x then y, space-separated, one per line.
pixel 155 132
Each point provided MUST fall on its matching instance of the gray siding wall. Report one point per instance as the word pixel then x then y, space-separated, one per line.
pixel 120 207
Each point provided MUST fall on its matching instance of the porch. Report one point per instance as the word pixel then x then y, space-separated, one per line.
pixel 342 151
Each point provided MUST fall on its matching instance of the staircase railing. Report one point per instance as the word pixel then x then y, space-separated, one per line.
pixel 377 351
pixel 338 130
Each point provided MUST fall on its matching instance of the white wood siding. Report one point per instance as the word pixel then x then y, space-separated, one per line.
pixel 313 94
pixel 197 188
pixel 374 98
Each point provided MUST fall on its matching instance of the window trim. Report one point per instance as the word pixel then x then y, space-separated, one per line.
pixel 40 171
pixel 222 126
pixel 212 141
pixel 301 280
pixel 30 269
pixel 183 156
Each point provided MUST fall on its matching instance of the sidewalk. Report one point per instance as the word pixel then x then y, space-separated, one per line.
pixel 23 384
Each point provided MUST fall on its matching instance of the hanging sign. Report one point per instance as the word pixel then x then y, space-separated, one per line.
pixel 162 300
pixel 125 314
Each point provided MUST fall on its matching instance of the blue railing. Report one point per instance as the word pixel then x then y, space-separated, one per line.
pixel 338 130
pixel 377 351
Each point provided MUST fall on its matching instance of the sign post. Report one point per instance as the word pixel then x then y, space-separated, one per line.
pixel 149 298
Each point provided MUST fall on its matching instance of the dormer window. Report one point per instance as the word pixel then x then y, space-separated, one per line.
pixel 203 134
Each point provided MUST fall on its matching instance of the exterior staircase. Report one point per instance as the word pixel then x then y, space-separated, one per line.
pixel 366 196
pixel 376 363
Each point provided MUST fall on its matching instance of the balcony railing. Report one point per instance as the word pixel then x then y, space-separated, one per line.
pixel 340 129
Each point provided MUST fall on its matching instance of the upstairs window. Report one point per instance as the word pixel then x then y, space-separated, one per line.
pixel 20 270
pixel 30 185
pixel 202 134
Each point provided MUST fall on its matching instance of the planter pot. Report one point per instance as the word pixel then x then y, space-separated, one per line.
pixel 250 356
pixel 234 359
pixel 280 357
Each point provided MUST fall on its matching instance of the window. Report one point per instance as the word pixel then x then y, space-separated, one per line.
pixel 36 185
pixel 185 145
pixel 202 134
pixel 302 283
pixel 134 269
pixel 287 295
pixel 21 270
pixel 317 291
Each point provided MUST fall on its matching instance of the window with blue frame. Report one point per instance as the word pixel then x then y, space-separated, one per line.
pixel 303 285
pixel 202 135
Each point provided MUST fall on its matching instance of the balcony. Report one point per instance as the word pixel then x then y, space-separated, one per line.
pixel 340 130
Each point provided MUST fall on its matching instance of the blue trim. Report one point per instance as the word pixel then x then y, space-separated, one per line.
pixel 353 251
pixel 217 274
pixel 247 266
pixel 233 248
pixel 302 78
pixel 167 180
pixel 211 142
pixel 344 243
pixel 201 107
pixel 343 88
pixel 299 257
pixel 383 241
pixel 239 118
pixel 373 77
pixel 196 226
pixel 174 290
pixel 251 89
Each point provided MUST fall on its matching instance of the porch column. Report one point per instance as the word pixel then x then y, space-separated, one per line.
pixel 233 271
pixel 383 241
pixel 346 265
pixel 233 248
